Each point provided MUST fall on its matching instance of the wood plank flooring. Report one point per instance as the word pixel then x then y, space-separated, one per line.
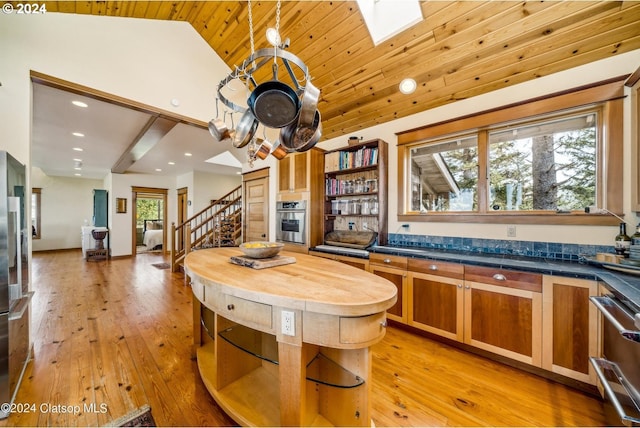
pixel 110 336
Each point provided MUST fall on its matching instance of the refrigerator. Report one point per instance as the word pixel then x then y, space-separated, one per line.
pixel 14 279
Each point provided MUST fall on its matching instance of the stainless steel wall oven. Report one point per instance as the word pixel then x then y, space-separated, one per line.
pixel 291 219
pixel 619 370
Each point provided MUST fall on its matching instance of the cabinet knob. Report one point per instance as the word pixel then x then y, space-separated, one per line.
pixel 459 285
pixel 230 306
pixel 433 267
pixel 384 324
pixel 387 261
pixel 499 277
pixel 467 287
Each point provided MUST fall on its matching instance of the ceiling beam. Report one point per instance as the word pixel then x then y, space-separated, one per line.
pixel 154 130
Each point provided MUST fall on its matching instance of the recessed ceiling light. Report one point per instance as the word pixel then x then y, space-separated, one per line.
pixel 78 168
pixel 158 170
pixel 80 104
pixel 77 160
pixel 188 154
pixel 77 149
pixel 78 174
pixel 408 86
pixel 238 172
pixel 78 134
pixel 171 163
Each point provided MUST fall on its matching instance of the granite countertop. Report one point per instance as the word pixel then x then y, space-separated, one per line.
pixel 624 286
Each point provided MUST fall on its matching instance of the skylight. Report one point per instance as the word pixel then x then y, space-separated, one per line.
pixel 386 18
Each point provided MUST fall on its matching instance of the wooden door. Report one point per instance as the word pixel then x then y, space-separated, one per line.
pixel 284 174
pixel 256 206
pixel 504 320
pixel 570 327
pixel 183 200
pixel 436 304
pixel 300 176
pixel 398 277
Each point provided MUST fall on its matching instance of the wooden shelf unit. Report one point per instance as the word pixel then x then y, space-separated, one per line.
pixel 378 222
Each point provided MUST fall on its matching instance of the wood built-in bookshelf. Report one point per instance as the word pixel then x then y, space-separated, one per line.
pixel 365 164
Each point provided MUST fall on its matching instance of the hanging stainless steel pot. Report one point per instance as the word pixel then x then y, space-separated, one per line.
pixel 245 130
pixel 300 138
pixel 274 103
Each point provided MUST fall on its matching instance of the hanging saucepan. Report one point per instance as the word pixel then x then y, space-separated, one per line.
pixel 309 104
pixel 218 128
pixel 274 103
pixel 245 129
pixel 300 138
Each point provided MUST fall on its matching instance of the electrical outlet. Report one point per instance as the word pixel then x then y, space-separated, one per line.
pixel 365 225
pixel 288 323
pixel 511 231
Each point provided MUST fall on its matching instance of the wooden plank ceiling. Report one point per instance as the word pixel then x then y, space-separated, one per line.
pixel 461 48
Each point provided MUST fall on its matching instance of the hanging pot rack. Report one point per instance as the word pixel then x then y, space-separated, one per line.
pixel 271 112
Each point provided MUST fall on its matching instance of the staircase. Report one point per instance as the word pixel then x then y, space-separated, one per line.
pixel 218 225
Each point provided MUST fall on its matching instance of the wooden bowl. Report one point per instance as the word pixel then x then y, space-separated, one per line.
pixel 261 249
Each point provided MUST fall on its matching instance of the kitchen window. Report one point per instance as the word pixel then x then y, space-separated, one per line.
pixel 540 162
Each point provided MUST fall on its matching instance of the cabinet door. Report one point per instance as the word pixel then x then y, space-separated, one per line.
pixel 284 174
pixel 436 304
pixel 398 312
pixel 504 320
pixel 570 327
pixel 293 173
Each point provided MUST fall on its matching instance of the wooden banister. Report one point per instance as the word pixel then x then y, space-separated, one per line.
pixel 218 225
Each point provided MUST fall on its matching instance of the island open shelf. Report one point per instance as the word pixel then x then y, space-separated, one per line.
pixel 318 376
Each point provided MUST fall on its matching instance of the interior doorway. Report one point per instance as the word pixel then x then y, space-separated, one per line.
pixel 149 226
pixel 183 202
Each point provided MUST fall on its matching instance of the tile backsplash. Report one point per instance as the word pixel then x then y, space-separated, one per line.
pixel 546 250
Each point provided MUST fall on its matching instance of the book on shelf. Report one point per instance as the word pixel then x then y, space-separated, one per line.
pixel 343 159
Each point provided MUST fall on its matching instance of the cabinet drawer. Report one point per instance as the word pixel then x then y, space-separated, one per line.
pixel 362 329
pixel 388 260
pixel 252 314
pixel 504 278
pixel 432 267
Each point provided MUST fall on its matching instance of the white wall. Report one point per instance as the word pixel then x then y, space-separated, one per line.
pixel 150 61
pixel 207 187
pixel 65 205
pixel 120 225
pixel 598 235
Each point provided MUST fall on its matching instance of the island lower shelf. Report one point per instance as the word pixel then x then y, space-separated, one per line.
pixel 241 369
pixel 316 371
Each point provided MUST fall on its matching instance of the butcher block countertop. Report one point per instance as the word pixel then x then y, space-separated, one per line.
pixel 311 284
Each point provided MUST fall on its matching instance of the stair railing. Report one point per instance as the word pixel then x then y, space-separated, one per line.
pixel 218 225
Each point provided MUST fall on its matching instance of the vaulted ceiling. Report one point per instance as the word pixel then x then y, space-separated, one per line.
pixel 460 49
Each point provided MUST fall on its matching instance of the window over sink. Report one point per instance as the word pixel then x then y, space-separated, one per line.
pixel 541 161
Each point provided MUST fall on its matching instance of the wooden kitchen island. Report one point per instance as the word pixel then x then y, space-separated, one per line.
pixel 319 373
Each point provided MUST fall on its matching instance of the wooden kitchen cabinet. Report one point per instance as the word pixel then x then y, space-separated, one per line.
pixel 351 261
pixel 436 297
pixel 393 269
pixel 570 327
pixel 299 172
pixel 503 312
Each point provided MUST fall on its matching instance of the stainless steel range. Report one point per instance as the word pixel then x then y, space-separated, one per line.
pixel 619 370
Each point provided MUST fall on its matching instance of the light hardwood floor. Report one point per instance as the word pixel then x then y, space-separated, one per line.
pixel 117 334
